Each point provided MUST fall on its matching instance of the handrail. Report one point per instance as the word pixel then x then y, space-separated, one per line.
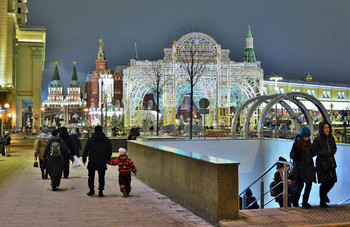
pixel 342 202
pixel 264 173
pixel 285 187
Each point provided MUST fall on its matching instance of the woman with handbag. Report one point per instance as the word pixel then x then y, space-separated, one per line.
pixel 39 148
pixel 325 148
pixel 302 155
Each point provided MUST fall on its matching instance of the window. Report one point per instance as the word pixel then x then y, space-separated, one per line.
pixel 328 94
pixel 264 91
pixel 324 94
pixel 313 93
pixel 281 91
pixel 117 104
pixel 293 90
pixel 308 92
pixel 19 10
pixel 297 90
pixel 341 95
pixel 150 105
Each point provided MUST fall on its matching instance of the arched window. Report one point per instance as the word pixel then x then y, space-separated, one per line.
pixel 328 94
pixel 343 94
pixel 324 94
pixel 308 92
pixel 281 91
pixel 298 90
pixel 313 93
pixel 293 90
pixel 264 91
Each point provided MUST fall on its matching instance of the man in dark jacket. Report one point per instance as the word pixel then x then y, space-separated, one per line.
pixel 54 160
pixel 325 148
pixel 69 143
pixel 99 150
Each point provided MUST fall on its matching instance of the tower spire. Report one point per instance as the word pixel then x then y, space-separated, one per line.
pixel 56 75
pixel 249 55
pixel 74 74
pixel 136 56
pixel 101 54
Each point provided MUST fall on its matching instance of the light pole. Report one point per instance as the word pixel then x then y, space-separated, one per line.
pixel 86 110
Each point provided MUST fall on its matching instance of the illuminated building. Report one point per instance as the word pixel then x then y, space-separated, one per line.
pixel 22 57
pixel 68 109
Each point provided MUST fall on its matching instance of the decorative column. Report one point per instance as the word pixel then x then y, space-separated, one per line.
pixel 37 55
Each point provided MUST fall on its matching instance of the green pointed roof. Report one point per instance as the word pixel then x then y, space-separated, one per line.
pixel 74 74
pixel 56 75
pixel 249 35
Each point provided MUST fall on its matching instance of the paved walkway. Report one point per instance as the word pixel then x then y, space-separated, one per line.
pixel 27 200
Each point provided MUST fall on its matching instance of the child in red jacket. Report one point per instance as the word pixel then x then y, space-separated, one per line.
pixel 125 167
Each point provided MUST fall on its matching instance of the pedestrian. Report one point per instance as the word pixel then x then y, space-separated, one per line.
pixel 69 143
pixel 126 165
pixel 41 143
pixel 250 200
pixel 278 177
pixel 54 153
pixel 325 148
pixel 99 150
pixel 76 142
pixel 7 143
pixel 302 156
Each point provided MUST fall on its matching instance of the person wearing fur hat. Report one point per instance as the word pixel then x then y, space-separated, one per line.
pixel 302 155
pixel 126 165
pixel 325 148
pixel 40 146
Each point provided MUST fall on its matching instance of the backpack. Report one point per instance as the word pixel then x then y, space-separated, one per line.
pixel 273 191
pixel 55 151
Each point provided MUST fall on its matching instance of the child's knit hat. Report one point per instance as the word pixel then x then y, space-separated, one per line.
pixel 122 151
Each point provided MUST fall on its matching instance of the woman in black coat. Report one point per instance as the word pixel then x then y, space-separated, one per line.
pixel 302 155
pixel 55 165
pixel 325 148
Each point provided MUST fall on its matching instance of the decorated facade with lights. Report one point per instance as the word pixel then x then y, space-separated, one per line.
pixel 223 82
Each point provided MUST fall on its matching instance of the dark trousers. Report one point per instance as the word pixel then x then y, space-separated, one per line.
pixel 125 180
pixel 324 189
pixel 300 185
pixel 101 179
pixel 43 168
pixel 55 182
pixel 66 167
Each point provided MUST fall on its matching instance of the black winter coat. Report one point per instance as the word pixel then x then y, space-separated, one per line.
pixel 77 144
pixel 99 150
pixel 69 143
pixel 302 160
pixel 55 167
pixel 325 149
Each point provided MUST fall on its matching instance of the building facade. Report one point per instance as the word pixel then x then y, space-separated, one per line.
pixel 22 58
pixel 58 109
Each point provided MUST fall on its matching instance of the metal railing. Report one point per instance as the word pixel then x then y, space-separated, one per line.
pixel 262 193
pixel 342 202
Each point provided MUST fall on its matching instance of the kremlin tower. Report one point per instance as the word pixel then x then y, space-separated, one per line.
pixel 249 55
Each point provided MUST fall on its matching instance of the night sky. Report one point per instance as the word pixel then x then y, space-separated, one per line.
pixel 290 37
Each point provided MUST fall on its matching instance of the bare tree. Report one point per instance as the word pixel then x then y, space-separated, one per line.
pixel 155 73
pixel 193 60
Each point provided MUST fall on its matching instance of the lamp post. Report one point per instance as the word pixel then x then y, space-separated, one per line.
pixel 42 119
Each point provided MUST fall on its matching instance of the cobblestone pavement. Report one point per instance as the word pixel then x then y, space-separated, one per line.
pixel 27 200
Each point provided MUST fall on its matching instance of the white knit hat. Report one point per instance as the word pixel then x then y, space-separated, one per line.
pixel 122 151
